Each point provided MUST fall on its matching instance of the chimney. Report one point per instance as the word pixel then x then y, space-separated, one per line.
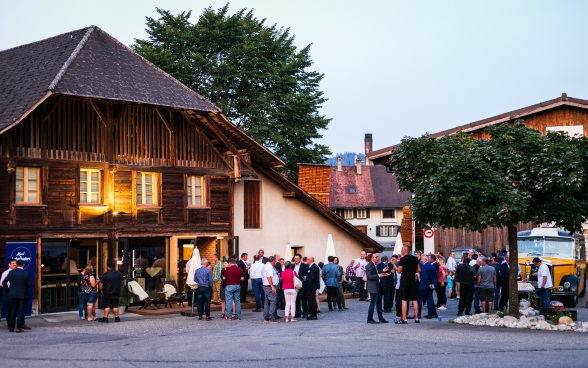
pixel 358 165
pixel 369 143
pixel 339 163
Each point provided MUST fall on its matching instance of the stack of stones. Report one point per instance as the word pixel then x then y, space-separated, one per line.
pixel 530 319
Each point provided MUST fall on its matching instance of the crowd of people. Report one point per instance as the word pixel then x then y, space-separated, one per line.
pixel 409 280
pixel 277 284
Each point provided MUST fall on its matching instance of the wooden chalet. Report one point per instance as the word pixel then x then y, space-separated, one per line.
pixel 559 114
pixel 103 156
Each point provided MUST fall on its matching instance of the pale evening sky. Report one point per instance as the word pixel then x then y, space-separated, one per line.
pixel 392 68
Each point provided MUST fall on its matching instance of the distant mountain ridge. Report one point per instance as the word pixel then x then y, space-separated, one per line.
pixel 348 158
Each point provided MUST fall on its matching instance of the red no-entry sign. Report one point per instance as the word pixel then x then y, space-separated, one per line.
pixel 428 233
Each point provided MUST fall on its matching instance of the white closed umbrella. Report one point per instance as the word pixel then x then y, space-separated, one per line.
pixel 330 248
pixel 194 265
pixel 398 244
pixel 288 254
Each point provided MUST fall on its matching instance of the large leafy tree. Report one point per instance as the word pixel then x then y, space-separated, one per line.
pixel 252 71
pixel 517 175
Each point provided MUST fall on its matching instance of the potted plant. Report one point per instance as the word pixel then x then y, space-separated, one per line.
pixel 123 303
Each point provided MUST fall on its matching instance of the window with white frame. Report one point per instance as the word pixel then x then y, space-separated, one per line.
pixel 386 230
pixel 361 213
pixel 90 192
pixel 349 213
pixel 195 191
pixel 28 185
pixel 146 188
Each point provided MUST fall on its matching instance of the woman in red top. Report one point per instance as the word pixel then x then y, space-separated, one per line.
pixel 289 291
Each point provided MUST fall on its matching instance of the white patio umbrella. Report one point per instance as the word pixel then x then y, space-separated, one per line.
pixel 288 254
pixel 194 265
pixel 398 244
pixel 330 248
pixel 190 282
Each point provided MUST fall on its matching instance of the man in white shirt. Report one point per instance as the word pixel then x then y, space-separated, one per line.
pixel 451 264
pixel 544 282
pixel 257 283
pixel 271 279
pixel 359 266
pixel 11 266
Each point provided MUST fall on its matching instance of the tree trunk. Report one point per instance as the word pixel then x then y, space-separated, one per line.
pixel 513 290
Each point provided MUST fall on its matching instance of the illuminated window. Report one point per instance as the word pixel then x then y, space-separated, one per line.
pixel 146 188
pixel 27 185
pixel 89 186
pixel 195 191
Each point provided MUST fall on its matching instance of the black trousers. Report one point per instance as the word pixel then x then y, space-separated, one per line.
pixel 311 300
pixel 441 294
pixel 16 313
pixel 466 291
pixel 360 285
pixel 301 303
pixel 387 298
pixel 398 302
pixel 244 285
pixel 503 296
pixel 332 297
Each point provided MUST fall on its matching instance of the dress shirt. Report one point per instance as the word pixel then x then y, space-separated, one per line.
pixel 203 277
pixel 255 270
pixel 297 268
pixel 269 270
pixel 451 263
pixel 350 271
pixel 4 274
pixel 216 271
pixel 359 271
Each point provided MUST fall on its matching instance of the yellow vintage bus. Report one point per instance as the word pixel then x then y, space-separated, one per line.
pixel 564 254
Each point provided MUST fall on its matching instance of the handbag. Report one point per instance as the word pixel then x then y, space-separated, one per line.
pixel 297 283
pixel 87 289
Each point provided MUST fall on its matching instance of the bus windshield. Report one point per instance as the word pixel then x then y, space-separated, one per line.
pixel 546 247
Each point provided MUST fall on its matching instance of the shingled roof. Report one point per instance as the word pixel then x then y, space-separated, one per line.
pixel 382 155
pixel 88 63
pixel 374 188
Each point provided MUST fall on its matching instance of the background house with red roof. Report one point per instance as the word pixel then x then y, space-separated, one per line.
pixel 364 195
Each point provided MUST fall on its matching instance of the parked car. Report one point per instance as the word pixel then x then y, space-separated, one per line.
pixel 460 252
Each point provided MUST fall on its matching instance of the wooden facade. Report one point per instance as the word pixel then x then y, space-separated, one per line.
pixel 72 135
pixel 556 114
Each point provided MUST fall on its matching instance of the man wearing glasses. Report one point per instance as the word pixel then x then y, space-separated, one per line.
pixel 373 287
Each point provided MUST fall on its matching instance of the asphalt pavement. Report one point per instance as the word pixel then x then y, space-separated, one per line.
pixel 341 339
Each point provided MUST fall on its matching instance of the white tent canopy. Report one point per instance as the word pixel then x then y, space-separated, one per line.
pixel 193 266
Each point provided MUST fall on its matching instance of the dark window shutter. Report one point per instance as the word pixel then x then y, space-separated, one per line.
pixel 377 230
pixel 252 205
pixel 367 213
pixel 355 213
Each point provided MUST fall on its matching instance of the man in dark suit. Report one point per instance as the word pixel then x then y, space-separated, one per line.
pixel 386 284
pixel 373 287
pixel 18 294
pixel 504 280
pixel 245 268
pixel 301 268
pixel 279 268
pixel 313 284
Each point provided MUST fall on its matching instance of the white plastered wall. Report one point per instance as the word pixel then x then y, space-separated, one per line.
pixel 289 220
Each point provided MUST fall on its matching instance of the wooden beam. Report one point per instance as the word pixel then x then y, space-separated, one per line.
pixel 100 113
pixel 51 107
pixel 165 121
pixel 196 128
pixel 212 124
